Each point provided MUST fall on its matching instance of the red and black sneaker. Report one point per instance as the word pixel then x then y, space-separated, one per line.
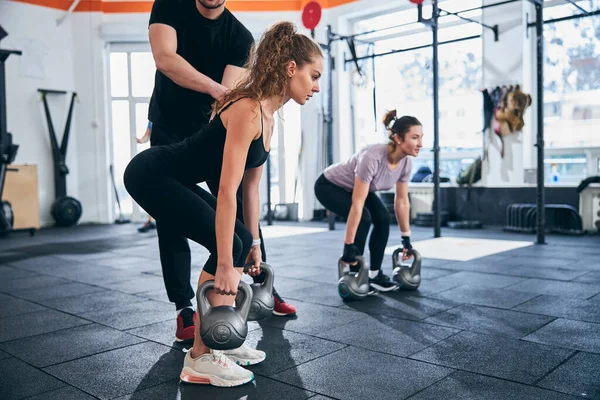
pixel 282 309
pixel 186 321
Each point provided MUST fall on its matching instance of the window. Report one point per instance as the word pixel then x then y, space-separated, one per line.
pixel 572 78
pixel 132 72
pixel 403 81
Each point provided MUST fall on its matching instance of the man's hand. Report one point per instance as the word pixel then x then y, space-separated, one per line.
pixel 217 91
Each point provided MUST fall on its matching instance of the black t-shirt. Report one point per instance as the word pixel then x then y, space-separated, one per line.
pixel 209 46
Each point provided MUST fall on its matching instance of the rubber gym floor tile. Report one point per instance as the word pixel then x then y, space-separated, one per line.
pixel 122 261
pixel 428 274
pixel 490 320
pixel 354 373
pixel 7 273
pixel 486 266
pixel 40 281
pixel 320 274
pixel 142 283
pixel 157 295
pixel 64 393
pixel 496 356
pixel 320 397
pixel 39 263
pixel 569 334
pixel 389 335
pixel 93 302
pixel 92 274
pixel 555 288
pixel 127 316
pixel 590 277
pixel 500 298
pixel 405 305
pixel 311 318
pixel 318 293
pixel 36 323
pixel 57 291
pixel 467 386
pixel 430 287
pixel 549 305
pixel 560 274
pixel 481 279
pixel 580 376
pixel 121 371
pixel 286 349
pixel 68 344
pixel 10 306
pixel 20 380
pixel 261 388
pixel 542 261
pixel 3 355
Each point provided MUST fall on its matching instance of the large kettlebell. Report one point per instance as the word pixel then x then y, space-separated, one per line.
pixel 351 285
pixel 262 295
pixel 408 278
pixel 223 327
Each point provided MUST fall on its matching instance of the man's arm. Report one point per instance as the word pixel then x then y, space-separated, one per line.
pixel 163 40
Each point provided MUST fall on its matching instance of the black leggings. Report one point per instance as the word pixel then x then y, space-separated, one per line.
pixel 339 200
pixel 184 209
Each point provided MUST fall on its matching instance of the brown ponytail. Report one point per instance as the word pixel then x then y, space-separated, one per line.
pixel 398 126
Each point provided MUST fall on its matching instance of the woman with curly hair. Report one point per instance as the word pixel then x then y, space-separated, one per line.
pixel 284 65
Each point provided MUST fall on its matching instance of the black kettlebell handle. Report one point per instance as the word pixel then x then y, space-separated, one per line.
pixel 410 252
pixel 269 276
pixel 205 306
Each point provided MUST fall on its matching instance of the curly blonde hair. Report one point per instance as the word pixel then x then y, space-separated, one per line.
pixel 267 62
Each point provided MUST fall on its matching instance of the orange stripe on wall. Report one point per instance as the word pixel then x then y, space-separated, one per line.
pixel 146 6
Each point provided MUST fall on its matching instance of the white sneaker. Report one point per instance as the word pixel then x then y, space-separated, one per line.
pixel 214 369
pixel 245 355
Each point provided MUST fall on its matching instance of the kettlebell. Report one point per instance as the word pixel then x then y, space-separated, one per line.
pixel 223 327
pixel 408 278
pixel 262 295
pixel 353 286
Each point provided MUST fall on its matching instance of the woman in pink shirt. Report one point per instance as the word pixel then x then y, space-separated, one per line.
pixel 348 189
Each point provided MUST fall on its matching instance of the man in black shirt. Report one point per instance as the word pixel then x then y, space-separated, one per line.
pixel 200 49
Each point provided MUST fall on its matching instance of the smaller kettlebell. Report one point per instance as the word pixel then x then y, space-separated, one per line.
pixel 407 278
pixel 223 327
pixel 262 295
pixel 353 286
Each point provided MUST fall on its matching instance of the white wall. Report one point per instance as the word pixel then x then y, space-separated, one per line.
pixel 47 63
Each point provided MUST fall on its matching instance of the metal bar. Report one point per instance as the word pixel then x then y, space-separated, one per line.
pixel 577 6
pixel 62 19
pixel 380 30
pixel 467 19
pixel 486 6
pixel 541 212
pixel 387 53
pixel 329 114
pixel 436 124
pixel 374 92
pixel 65 138
pixel 567 18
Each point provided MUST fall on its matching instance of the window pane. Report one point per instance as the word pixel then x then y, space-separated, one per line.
pixel 121 134
pixel 119 81
pixel 142 74
pixel 572 80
